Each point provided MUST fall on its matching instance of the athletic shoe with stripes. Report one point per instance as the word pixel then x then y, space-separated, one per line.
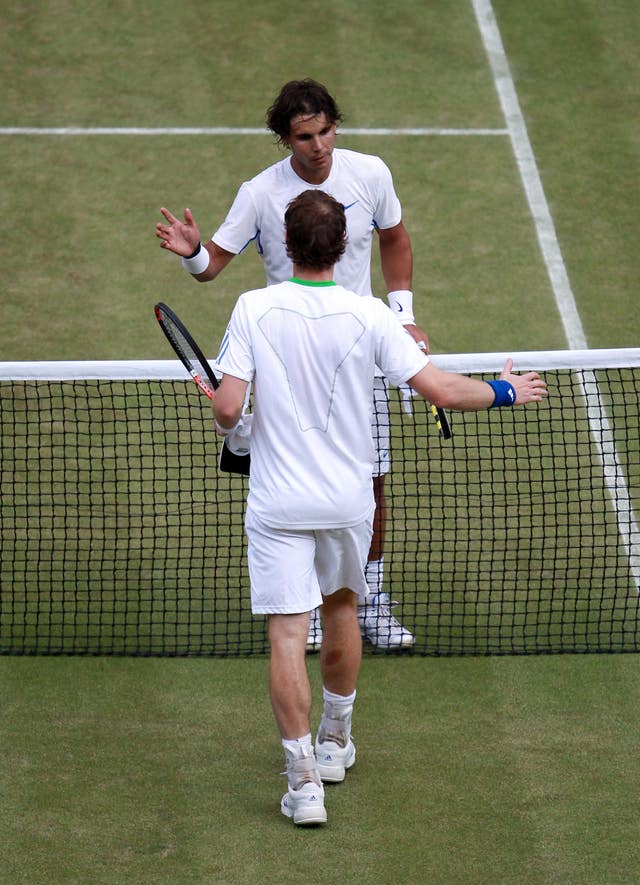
pixel 305 806
pixel 304 799
pixel 335 752
pixel 379 626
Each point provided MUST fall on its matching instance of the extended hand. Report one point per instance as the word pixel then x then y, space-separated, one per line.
pixel 181 237
pixel 529 388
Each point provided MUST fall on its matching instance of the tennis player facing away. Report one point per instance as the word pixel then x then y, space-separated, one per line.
pixel 310 348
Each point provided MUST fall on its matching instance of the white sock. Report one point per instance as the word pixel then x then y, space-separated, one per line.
pixel 338 707
pixel 374 575
pixel 300 757
pixel 295 747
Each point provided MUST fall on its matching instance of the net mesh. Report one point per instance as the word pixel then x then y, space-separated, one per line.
pixel 119 536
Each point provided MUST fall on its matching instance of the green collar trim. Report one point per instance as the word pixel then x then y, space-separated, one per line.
pixel 312 282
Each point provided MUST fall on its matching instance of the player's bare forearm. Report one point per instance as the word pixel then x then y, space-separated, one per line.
pixel 397 268
pixel 228 401
pixel 396 257
pixel 451 391
pixel 218 260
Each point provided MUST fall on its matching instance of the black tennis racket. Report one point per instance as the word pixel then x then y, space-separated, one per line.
pixel 442 422
pixel 198 367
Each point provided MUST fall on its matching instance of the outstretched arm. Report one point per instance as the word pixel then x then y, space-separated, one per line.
pixel 183 238
pixel 451 391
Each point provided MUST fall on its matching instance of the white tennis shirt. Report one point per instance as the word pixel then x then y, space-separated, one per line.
pixel 361 182
pixel 310 351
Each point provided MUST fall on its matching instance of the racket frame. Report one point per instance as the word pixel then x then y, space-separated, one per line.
pixel 170 324
pixel 207 385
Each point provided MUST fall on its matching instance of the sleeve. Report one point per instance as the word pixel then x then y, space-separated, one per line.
pixel 240 226
pixel 397 354
pixel 388 211
pixel 236 352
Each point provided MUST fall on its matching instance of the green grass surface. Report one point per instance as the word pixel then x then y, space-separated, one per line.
pixel 470 770
pixel 83 209
pixel 577 70
pixel 155 63
pixel 489 770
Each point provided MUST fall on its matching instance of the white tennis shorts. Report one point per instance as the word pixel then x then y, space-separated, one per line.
pixel 291 570
pixel 380 426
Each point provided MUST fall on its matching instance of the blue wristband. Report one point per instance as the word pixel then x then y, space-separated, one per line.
pixel 505 394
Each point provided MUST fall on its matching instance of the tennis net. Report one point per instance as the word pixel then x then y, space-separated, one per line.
pixel 119 536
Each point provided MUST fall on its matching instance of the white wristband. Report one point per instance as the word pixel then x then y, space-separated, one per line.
pixel 401 303
pixel 225 431
pixel 199 263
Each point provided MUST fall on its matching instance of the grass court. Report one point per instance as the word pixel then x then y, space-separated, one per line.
pixel 470 770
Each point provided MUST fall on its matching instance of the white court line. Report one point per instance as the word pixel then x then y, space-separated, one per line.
pixel 545 229
pixel 227 130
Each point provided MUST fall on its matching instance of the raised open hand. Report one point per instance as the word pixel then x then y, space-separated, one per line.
pixel 181 237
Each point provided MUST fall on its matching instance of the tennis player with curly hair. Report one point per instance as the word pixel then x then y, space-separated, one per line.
pixel 304 118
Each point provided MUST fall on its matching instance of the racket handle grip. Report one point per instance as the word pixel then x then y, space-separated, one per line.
pixel 442 422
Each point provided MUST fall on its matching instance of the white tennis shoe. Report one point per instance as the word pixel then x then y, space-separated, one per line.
pixel 304 799
pixel 305 806
pixel 335 752
pixel 379 626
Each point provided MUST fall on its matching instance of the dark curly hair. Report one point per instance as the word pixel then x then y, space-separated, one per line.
pixel 299 97
pixel 316 228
